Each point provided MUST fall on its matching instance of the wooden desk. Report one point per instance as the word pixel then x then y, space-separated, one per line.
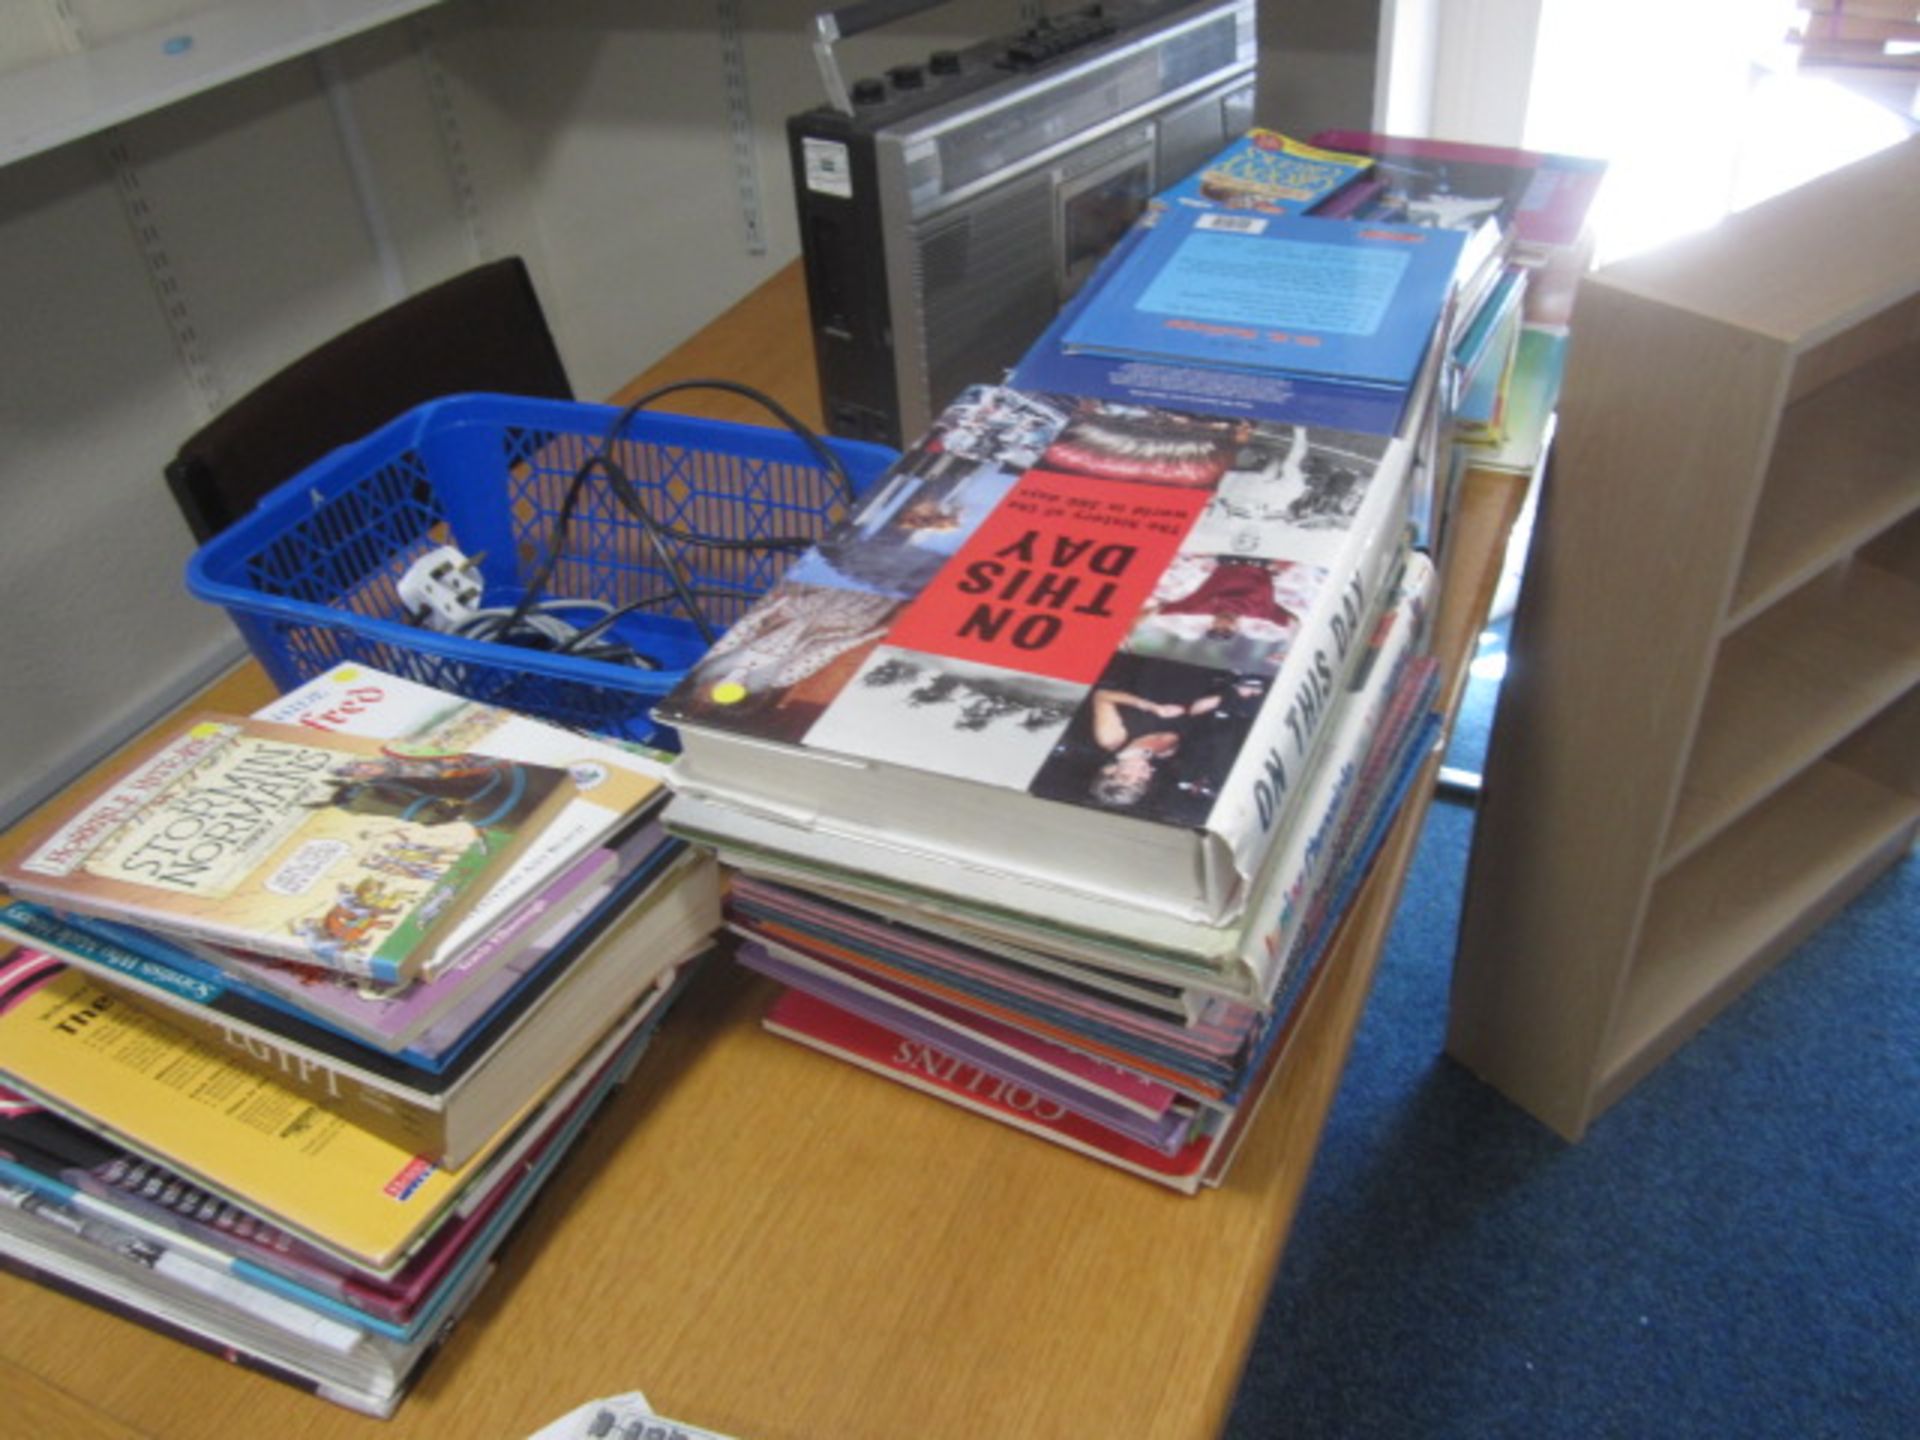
pixel 774 1244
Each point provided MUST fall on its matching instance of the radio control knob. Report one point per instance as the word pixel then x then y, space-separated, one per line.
pixel 944 62
pixel 907 77
pixel 869 91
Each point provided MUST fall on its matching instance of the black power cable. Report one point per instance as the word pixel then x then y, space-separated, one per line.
pixel 518 626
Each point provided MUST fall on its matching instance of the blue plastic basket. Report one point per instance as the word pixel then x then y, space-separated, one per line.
pixel 310 576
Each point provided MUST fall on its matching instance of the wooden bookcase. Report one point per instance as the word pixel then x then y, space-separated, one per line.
pixel 1708 740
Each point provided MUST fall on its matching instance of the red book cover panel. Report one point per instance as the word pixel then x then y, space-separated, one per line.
pixel 1051 581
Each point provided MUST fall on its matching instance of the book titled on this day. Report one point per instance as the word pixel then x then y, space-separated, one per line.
pixel 1062 640
pixel 330 849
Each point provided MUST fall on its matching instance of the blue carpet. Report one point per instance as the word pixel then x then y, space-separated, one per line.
pixel 1733 1250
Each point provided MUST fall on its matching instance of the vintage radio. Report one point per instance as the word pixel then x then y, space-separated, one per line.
pixel 950 207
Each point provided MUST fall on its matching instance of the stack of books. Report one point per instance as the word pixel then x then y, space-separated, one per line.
pixel 304 1008
pixel 1043 780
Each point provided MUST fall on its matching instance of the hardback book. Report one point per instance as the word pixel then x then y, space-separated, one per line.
pixel 133 1076
pixel 1268 173
pixel 1238 960
pixel 329 849
pixel 1350 302
pixel 1070 643
pixel 447 1114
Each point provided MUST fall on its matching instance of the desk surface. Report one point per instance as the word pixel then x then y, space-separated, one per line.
pixel 773 1244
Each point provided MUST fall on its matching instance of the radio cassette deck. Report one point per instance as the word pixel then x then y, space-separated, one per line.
pixel 948 209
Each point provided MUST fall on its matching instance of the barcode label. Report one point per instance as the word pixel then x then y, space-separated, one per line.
pixel 1237 224
pixel 827 167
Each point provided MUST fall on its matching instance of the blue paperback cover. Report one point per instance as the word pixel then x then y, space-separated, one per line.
pixel 1050 368
pixel 1341 300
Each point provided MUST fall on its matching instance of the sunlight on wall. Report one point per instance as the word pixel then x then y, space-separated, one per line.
pixel 1696 108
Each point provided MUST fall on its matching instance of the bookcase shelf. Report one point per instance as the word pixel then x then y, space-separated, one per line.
pixel 1846 465
pixel 1709 737
pixel 1789 686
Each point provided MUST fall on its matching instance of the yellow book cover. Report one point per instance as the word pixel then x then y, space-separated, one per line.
pixel 327 849
pixel 122 1069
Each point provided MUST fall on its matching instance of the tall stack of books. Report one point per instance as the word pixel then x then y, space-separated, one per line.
pixel 1042 780
pixel 304 1009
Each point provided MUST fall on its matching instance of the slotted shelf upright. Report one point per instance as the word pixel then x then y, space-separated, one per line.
pixel 1708 740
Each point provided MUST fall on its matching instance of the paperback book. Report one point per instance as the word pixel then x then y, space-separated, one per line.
pixel 1333 300
pixel 1543 198
pixel 1051 367
pixel 1085 644
pixel 139 1242
pixel 954 1078
pixel 328 849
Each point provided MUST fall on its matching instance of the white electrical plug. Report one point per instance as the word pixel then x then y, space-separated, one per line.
pixel 441 589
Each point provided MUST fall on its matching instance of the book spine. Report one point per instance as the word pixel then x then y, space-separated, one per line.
pixel 1328 789
pixel 1256 802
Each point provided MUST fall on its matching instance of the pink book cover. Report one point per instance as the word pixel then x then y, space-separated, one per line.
pixel 813 1022
pixel 1126 1087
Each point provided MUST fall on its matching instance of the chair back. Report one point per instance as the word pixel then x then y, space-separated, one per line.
pixel 481 330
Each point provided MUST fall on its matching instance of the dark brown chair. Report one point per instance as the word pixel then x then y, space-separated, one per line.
pixel 482 330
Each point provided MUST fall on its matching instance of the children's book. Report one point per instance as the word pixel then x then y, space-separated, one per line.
pixel 1337 300
pixel 1268 173
pixel 1085 644
pixel 333 850
pixel 615 788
